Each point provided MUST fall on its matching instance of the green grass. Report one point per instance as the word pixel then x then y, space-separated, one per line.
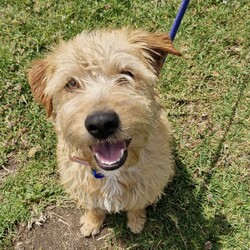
pixel 207 95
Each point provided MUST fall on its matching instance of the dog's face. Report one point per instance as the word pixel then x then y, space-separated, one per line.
pixel 98 88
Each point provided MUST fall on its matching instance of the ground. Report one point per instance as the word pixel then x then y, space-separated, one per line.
pixel 59 229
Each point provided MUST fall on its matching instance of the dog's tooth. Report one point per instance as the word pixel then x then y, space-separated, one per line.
pixel 122 153
pixel 97 156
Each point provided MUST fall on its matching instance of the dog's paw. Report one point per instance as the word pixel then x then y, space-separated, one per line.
pixel 89 229
pixel 136 220
pixel 91 223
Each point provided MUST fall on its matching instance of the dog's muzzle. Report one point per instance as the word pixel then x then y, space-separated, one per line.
pixel 108 154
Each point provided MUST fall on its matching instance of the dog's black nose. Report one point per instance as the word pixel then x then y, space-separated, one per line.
pixel 102 124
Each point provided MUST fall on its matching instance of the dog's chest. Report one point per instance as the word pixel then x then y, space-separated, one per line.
pixel 121 193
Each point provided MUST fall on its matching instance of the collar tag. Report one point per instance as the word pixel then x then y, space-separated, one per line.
pixel 97 175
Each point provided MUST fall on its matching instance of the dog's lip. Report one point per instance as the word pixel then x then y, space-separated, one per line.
pixel 111 155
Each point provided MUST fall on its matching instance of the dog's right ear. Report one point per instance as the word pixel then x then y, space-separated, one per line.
pixel 155 47
pixel 37 77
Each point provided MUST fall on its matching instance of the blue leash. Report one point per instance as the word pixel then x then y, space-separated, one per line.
pixel 178 19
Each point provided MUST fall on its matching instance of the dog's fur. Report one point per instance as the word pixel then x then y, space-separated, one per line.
pixel 111 70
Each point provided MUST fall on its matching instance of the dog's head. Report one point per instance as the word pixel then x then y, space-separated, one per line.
pixel 99 90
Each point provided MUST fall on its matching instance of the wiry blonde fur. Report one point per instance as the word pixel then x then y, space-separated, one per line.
pixel 96 61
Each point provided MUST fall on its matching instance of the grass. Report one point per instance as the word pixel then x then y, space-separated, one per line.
pixel 207 95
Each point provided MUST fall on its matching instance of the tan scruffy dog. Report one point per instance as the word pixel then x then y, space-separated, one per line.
pixel 113 149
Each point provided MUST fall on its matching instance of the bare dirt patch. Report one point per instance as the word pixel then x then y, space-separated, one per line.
pixel 10 167
pixel 60 230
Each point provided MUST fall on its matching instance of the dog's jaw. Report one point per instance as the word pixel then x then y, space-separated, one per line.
pixel 107 155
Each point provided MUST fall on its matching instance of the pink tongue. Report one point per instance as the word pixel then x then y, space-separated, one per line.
pixel 109 152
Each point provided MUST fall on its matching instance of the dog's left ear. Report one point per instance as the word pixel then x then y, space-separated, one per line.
pixel 157 46
pixel 37 77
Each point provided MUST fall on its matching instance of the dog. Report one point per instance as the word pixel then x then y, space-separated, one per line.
pixel 114 140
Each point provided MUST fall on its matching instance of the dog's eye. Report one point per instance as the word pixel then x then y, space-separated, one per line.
pixel 128 73
pixel 72 84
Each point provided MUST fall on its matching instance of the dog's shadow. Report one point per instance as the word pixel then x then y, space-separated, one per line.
pixel 177 222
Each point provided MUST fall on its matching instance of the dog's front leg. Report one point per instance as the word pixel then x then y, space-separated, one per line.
pixel 92 221
pixel 136 220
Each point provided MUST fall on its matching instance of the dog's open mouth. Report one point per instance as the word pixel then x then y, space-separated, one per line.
pixel 111 155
